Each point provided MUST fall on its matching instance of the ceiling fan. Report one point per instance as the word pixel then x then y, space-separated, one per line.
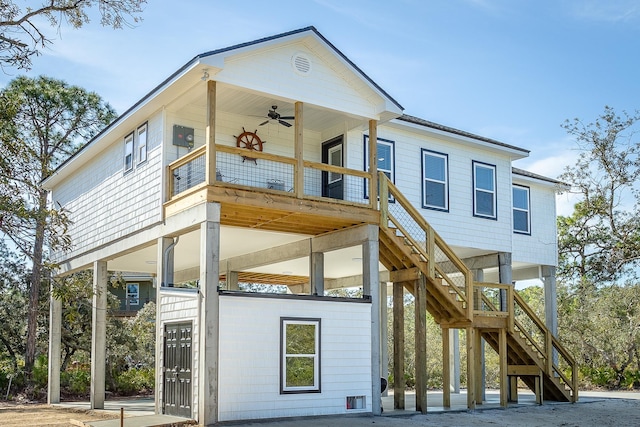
pixel 274 115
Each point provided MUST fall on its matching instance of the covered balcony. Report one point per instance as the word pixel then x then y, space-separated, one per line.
pixel 274 164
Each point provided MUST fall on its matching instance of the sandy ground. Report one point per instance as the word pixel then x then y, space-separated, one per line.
pixel 603 409
pixel 13 415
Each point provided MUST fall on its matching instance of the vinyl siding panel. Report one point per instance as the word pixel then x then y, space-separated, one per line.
pixel 250 357
pixel 541 246
pixel 104 203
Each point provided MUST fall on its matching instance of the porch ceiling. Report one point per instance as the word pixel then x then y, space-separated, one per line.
pixel 234 100
pixel 237 241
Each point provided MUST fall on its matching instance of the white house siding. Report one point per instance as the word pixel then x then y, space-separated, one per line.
pixel 534 248
pixel 328 83
pixel 458 226
pixel 178 305
pixel 103 203
pixel 250 357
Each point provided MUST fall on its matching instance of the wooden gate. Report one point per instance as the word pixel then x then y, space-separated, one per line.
pixel 176 396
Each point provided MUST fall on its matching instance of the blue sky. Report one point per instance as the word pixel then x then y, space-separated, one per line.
pixel 512 70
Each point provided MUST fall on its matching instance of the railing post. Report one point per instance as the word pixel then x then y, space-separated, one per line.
pixel 210 169
pixel 469 291
pixel 170 188
pixel 431 250
pixel 511 309
pixel 384 201
pixel 549 351
pixel 298 169
pixel 574 381
pixel 373 162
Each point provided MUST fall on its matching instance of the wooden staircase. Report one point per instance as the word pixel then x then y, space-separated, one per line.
pixel 495 312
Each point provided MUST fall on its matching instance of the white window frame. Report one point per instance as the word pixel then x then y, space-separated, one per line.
pixel 492 192
pixel 334 176
pixel 390 173
pixel 425 180
pixel 142 137
pixel 315 387
pixel 527 210
pixel 128 152
pixel 133 294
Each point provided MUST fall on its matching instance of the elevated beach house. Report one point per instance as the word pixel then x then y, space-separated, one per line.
pixel 259 179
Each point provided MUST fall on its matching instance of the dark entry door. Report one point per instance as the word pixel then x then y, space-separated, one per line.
pixel 332 182
pixel 176 395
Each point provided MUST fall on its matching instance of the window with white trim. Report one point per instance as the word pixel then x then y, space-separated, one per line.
pixel 521 210
pixel 484 190
pixel 133 294
pixel 386 158
pixel 435 177
pixel 300 355
pixel 128 152
pixel 142 143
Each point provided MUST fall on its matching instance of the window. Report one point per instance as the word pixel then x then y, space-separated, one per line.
pixel 142 143
pixel 386 158
pixel 521 218
pixel 435 174
pixel 300 355
pixel 128 152
pixel 335 159
pixel 484 190
pixel 133 294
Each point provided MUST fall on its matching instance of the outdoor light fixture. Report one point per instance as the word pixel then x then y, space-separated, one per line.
pixel 205 75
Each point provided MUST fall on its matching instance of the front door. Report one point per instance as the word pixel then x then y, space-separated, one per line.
pixel 176 396
pixel 332 182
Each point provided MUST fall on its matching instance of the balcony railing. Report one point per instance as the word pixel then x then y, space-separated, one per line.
pixel 242 168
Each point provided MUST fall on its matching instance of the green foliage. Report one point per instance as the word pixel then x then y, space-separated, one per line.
pixel 599 252
pixel 135 381
pixel 75 382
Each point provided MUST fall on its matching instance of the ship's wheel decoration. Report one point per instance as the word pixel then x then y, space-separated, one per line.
pixel 249 141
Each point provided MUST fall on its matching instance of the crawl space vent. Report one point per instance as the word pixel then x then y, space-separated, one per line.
pixel 301 64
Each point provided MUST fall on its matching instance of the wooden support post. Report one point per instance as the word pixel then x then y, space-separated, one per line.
pixel 479 369
pixel 99 334
pixel 539 388
pixel 373 164
pixel 316 261
pixel 210 133
pixel 513 389
pixel 398 346
pixel 502 354
pixel 446 369
pixel 421 344
pixel 471 368
pixel 55 340
pixel 298 141
pixel 209 317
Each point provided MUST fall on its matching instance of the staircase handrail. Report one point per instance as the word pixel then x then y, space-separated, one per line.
pixel 386 188
pixel 551 343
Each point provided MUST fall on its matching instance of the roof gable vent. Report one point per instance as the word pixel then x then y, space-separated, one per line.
pixel 301 64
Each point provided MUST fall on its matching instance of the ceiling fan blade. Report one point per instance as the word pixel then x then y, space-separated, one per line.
pixel 287 117
pixel 283 123
pixel 263 123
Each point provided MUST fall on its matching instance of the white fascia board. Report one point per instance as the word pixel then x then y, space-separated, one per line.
pixel 513 152
pixel 523 180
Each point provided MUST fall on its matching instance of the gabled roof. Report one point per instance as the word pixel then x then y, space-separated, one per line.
pixel 311 29
pixel 527 174
pixel 447 129
pixel 199 58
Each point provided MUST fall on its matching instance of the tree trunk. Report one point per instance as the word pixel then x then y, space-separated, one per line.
pixel 34 288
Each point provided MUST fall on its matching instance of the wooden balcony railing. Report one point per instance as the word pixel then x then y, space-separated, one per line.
pixel 266 172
